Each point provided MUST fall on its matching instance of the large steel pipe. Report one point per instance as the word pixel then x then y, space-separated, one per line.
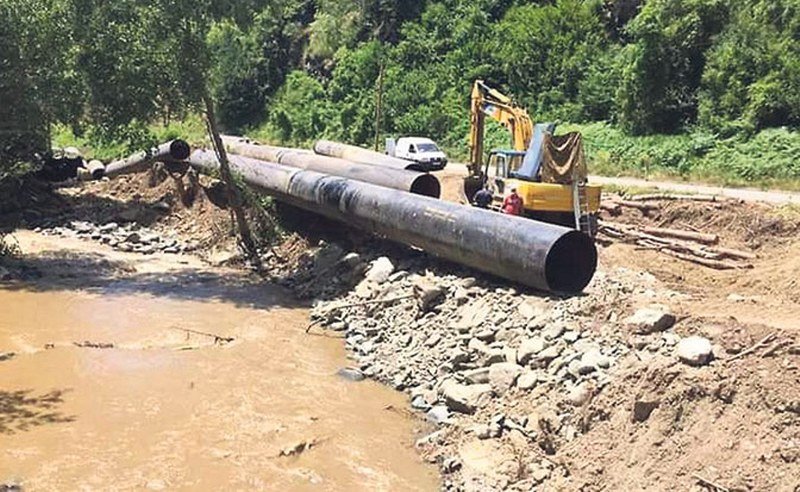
pixel 363 156
pixel 176 150
pixel 399 179
pixel 536 254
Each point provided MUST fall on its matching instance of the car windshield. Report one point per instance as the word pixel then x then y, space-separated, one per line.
pixel 427 147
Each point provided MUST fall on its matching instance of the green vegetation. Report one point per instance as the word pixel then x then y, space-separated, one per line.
pixel 700 89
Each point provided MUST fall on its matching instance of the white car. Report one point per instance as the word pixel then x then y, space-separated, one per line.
pixel 423 151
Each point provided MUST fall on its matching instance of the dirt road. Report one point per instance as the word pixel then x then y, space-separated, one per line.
pixel 112 386
pixel 452 175
pixel 775 197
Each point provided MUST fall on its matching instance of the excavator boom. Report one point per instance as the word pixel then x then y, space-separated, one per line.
pixel 489 102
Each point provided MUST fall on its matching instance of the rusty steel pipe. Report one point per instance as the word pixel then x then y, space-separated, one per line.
pixel 411 181
pixel 363 156
pixel 536 254
pixel 176 150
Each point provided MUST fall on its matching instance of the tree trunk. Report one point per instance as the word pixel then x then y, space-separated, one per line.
pixel 234 198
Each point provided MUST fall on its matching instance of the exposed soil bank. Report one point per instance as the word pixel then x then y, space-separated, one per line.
pixel 112 386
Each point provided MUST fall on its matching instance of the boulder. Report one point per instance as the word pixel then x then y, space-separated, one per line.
pixel 502 376
pixel 650 320
pixel 695 351
pixel 465 398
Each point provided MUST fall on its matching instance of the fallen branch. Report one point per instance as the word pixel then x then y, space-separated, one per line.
pixel 709 483
pixel 330 309
pixel 374 301
pixel 94 345
pixel 778 345
pixel 706 256
pixel 763 342
pixel 715 264
pixel 644 207
pixel 686 235
pixel 736 254
pixel 217 338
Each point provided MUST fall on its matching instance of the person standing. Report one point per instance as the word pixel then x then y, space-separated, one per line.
pixel 513 204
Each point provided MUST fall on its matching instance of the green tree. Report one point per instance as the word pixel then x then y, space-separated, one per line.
pixel 664 64
pixel 752 78
pixel 547 51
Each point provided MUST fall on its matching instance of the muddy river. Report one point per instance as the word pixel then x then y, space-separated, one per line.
pixel 158 373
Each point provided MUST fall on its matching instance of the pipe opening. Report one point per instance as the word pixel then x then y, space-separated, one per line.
pixel 179 150
pixel 426 185
pixel 571 263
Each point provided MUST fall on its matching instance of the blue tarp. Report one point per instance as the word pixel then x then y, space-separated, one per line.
pixel 533 158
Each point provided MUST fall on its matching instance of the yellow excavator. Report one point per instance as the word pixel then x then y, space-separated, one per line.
pixel 548 171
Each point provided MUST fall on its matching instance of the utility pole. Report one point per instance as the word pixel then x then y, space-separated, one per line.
pixel 379 108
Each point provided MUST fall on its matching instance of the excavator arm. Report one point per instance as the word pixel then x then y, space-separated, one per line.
pixel 489 102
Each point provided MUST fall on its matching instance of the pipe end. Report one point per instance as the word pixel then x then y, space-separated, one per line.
pixel 426 185
pixel 179 150
pixel 571 263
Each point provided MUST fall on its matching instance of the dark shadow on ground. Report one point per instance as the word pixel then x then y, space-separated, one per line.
pixel 69 270
pixel 20 411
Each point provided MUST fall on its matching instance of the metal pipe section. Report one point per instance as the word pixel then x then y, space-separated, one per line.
pixel 413 182
pixel 96 168
pixel 539 255
pixel 363 156
pixel 176 150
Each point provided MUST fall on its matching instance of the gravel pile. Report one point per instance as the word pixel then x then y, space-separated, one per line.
pixel 130 237
pixel 477 357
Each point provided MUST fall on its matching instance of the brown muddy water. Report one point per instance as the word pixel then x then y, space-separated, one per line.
pixel 169 409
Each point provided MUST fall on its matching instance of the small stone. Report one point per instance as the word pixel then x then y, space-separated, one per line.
pixel 544 357
pixel 477 376
pixel 351 374
pixel 438 415
pixel 529 348
pixel 571 336
pixel 650 320
pixel 591 361
pixel 539 473
pixel 502 376
pixel 553 331
pixel 156 485
pixel 433 340
pixel 642 409
pixel 695 351
pixel 133 238
pixel 580 395
pixel 380 270
pixel 429 294
pixel 465 398
pixel 527 380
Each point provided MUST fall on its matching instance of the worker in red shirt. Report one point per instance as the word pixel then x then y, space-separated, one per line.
pixel 513 204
